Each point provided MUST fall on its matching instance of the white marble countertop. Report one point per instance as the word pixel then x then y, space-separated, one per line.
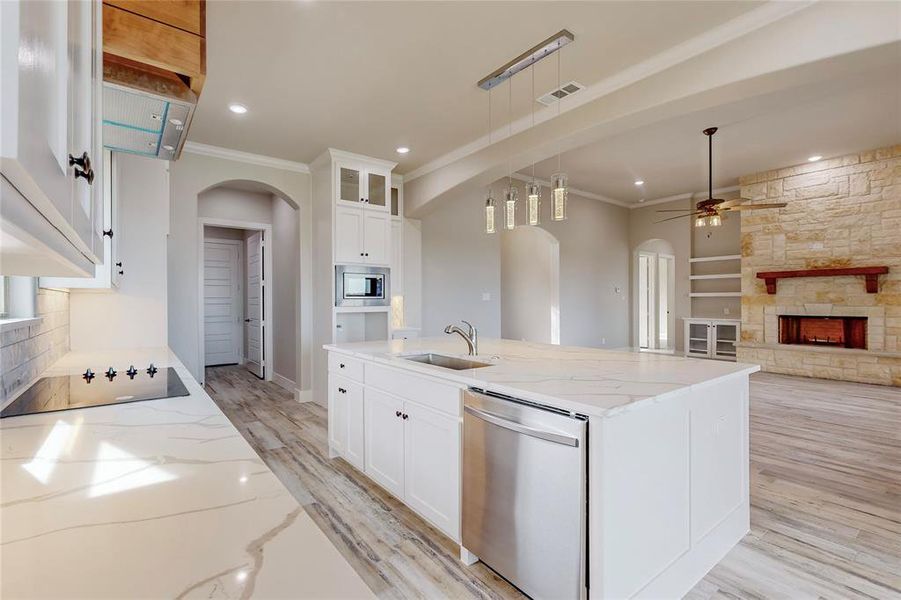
pixel 154 499
pixel 591 381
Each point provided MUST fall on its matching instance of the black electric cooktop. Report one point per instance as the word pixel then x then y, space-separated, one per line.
pixel 49 394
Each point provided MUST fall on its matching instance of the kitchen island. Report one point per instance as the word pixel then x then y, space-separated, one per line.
pixel 667 455
pixel 156 499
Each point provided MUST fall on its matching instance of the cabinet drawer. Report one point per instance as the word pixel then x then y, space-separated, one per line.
pixel 345 366
pixel 434 394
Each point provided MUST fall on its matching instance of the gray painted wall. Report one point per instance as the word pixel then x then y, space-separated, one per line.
pixel 460 263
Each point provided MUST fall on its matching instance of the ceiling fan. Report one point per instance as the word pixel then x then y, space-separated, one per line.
pixel 710 211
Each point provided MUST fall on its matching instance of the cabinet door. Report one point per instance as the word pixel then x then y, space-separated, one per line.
pixel 723 339
pixel 697 339
pixel 397 257
pixel 349 184
pixel 349 235
pixel 376 237
pixel 377 188
pixel 384 434
pixel 432 466
pixel 82 122
pixel 356 435
pixel 337 416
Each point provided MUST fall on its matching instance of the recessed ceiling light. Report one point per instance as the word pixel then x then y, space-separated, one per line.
pixel 639 182
pixel 403 150
pixel 814 158
pixel 238 109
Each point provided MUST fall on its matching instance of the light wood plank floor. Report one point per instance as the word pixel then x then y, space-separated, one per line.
pixel 825 495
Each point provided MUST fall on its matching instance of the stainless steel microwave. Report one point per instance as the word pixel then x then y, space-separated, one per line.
pixel 362 286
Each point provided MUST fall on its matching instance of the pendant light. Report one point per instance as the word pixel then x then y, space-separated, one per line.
pixel 511 194
pixel 490 205
pixel 559 187
pixel 533 189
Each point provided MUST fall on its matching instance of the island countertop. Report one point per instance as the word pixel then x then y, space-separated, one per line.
pixel 160 498
pixel 591 381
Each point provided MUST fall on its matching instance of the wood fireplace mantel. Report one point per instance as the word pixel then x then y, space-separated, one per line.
pixel 870 273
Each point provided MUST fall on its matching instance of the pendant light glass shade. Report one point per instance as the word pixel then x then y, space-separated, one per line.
pixel 559 191
pixel 511 195
pixel 533 196
pixel 701 222
pixel 714 220
pixel 489 213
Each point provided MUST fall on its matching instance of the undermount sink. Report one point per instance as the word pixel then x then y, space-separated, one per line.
pixel 446 362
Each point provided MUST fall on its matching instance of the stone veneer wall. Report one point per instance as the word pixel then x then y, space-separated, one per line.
pixel 26 352
pixel 841 212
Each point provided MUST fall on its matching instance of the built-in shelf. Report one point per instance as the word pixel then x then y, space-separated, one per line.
pixel 715 258
pixel 715 295
pixel 717 276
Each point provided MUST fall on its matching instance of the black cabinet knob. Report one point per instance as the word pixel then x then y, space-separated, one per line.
pixel 340 365
pixel 110 373
pixel 88 175
pixel 397 413
pixel 131 372
pixel 406 416
pixel 151 370
pixel 109 233
pixel 88 375
pixel 83 161
pixel 367 254
pixel 342 390
pixel 119 264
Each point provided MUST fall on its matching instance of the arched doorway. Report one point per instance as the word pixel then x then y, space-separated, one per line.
pixel 530 285
pixel 653 310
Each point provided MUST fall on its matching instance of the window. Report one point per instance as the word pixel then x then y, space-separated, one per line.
pixel 18 297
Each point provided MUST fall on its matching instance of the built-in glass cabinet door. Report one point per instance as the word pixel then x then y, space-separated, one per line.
pixel 377 184
pixel 725 336
pixel 349 188
pixel 698 341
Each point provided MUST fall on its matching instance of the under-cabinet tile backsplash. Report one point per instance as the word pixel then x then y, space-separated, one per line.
pixel 26 352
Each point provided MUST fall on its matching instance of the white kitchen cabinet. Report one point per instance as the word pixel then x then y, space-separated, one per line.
pixel 432 466
pixel 362 183
pixel 397 256
pixel 376 238
pixel 712 338
pixel 51 111
pixel 362 236
pixel 109 272
pixel 384 427
pixel 346 428
pixel 348 235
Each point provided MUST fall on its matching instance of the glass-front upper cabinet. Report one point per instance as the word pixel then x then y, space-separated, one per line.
pixel 395 201
pixel 360 184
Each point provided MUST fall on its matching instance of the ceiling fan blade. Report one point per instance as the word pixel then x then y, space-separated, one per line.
pixel 679 217
pixel 731 203
pixel 757 206
pixel 675 210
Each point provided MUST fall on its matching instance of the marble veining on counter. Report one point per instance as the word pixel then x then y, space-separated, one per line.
pixel 588 380
pixel 162 498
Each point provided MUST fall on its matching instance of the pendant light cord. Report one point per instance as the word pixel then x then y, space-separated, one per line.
pixel 510 129
pixel 532 126
pixel 559 100
pixel 710 167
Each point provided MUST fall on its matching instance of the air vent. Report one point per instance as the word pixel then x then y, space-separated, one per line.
pixel 567 89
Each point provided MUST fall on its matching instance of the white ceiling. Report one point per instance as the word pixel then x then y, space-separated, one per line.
pixel 370 76
pixel 755 134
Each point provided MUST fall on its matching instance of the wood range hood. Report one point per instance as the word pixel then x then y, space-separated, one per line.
pixel 154 67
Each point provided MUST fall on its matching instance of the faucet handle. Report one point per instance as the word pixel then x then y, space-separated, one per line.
pixel 472 329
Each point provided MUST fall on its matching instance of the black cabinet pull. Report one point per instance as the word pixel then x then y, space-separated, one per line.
pixel 83 161
pixel 121 272
pixel 88 175
pixel 119 264
pixel 397 413
pixel 342 390
pixel 108 233
pixel 406 416
pixel 340 365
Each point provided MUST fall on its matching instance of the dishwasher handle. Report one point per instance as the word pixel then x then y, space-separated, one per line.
pixel 498 420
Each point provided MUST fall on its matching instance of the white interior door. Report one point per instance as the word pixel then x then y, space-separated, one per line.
pixel 255 317
pixel 222 302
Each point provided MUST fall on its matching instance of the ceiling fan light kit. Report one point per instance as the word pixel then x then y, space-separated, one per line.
pixel 711 211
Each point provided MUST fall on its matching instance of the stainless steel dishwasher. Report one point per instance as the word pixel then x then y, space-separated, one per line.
pixel 525 493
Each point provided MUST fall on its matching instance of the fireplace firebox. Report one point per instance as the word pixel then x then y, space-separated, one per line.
pixel 839 332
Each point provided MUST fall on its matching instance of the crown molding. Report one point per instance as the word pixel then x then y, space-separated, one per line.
pixel 751 21
pixel 245 157
pixel 685 196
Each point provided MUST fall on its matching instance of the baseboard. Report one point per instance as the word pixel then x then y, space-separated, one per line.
pixel 283 382
pixel 303 395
